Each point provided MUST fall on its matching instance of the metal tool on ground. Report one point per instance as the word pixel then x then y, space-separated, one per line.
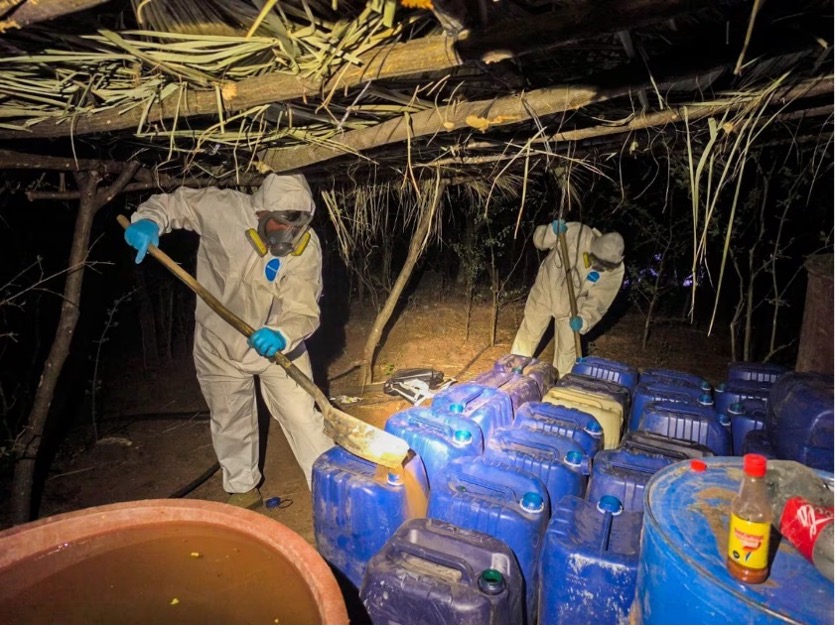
pixel 417 384
pixel 356 436
pixel 565 257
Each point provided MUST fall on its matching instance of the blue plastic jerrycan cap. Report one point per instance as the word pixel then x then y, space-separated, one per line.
pixel 463 437
pixel 721 387
pixel 492 582
pixel 705 385
pixel 456 407
pixel 531 502
pixel 610 504
pixel 594 428
pixel 394 479
pixel 736 408
pixel 574 458
pixel 705 400
pixel 517 370
pixel 724 420
pixel 580 359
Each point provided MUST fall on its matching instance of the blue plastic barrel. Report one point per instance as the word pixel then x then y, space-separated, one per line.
pixel 676 376
pixel 682 577
pixel 731 391
pixel 589 563
pixel 501 501
pixel 621 395
pixel 760 372
pixel 683 421
pixel 649 443
pixel 666 391
pixel 553 419
pixel 542 372
pixel 520 389
pixel 433 573
pixel 606 369
pixel 624 474
pixel 357 507
pixel 488 407
pixel 800 419
pixel 745 416
pixel 558 461
pixel 437 437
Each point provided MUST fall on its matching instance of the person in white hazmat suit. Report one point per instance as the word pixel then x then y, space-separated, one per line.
pixel 271 278
pixel 597 272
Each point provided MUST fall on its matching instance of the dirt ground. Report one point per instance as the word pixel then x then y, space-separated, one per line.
pixel 155 439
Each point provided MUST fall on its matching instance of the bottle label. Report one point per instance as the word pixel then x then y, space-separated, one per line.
pixel 802 523
pixel 748 542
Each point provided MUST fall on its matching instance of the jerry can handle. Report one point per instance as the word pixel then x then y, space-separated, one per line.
pixel 399 546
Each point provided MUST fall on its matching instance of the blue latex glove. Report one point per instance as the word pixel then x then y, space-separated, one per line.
pixel 267 342
pixel 559 226
pixel 141 234
pixel 576 322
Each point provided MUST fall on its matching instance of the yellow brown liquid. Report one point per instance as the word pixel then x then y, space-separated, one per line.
pixel 747 575
pixel 154 574
pixel 414 491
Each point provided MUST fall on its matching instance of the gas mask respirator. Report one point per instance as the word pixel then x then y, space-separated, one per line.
pixel 281 233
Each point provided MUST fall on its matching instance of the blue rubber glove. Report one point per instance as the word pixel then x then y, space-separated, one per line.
pixel 559 226
pixel 267 342
pixel 141 234
pixel 575 323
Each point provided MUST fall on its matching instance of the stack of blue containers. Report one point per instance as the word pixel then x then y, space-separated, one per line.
pixel 528 517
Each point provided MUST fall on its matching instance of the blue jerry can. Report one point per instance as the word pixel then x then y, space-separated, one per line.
pixel 618 393
pixel 682 421
pixel 558 461
pixel 606 369
pixel 653 444
pixel 589 563
pixel 623 473
pixel 498 500
pixel 760 372
pixel 433 573
pixel 538 370
pixel 437 437
pixel 520 389
pixel 682 578
pixel 731 391
pixel 488 407
pixel 553 419
pixel 667 391
pixel 357 507
pixel 745 416
pixel 675 376
pixel 800 419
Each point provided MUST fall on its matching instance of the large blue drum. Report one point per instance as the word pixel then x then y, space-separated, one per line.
pixel 682 576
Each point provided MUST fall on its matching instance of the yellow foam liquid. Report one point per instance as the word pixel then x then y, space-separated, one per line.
pixel 168 573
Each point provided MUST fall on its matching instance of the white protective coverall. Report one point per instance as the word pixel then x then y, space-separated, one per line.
pixel 250 286
pixel 549 298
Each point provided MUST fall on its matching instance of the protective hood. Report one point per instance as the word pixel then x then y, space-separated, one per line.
pixel 609 247
pixel 285 209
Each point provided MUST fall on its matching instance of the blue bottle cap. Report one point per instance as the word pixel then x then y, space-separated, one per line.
pixel 705 386
pixel 463 437
pixel 580 359
pixel 492 582
pixel 394 479
pixel 724 420
pixel 456 407
pixel 593 427
pixel 517 369
pixel 736 408
pixel 610 504
pixel 721 387
pixel 531 502
pixel 574 457
pixel 272 503
pixel 705 399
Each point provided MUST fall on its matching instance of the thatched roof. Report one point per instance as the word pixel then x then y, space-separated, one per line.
pixel 333 87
